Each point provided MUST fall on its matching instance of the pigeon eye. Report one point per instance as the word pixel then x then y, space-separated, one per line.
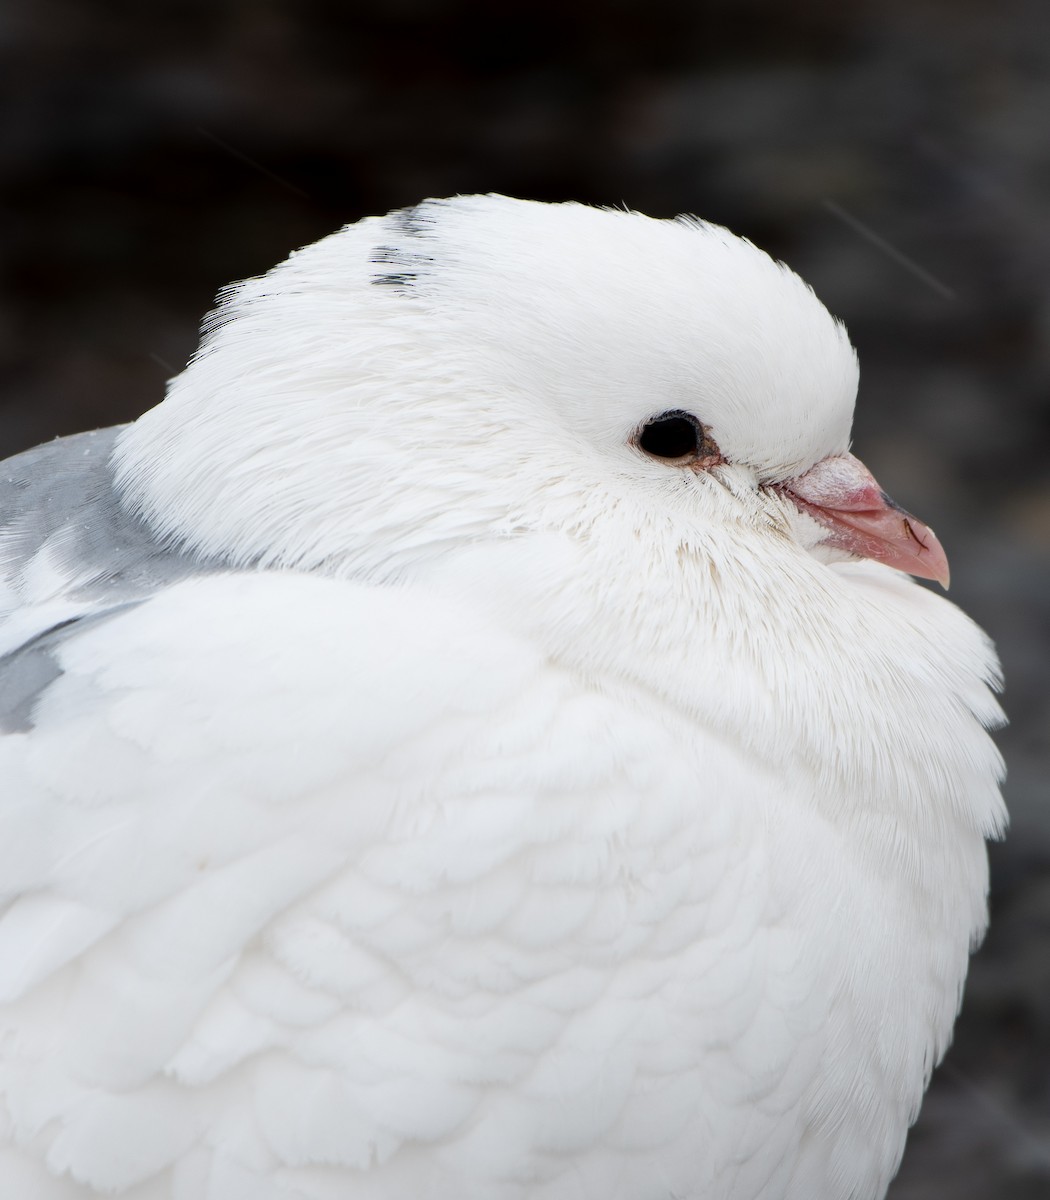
pixel 673 435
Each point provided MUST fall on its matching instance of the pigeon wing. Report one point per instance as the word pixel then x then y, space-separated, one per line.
pixel 302 875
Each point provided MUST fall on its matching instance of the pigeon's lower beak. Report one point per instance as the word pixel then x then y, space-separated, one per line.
pixel 842 494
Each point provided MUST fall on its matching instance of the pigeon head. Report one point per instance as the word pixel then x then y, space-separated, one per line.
pixel 478 367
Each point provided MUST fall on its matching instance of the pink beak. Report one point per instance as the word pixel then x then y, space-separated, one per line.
pixel 842 494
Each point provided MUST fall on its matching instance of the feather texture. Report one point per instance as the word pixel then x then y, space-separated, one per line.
pixel 411 788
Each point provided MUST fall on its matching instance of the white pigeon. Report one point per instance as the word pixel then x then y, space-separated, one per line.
pixel 475 740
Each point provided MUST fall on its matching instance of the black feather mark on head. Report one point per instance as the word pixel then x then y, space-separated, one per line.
pixel 409 223
pixel 393 257
pixel 412 221
pixel 400 282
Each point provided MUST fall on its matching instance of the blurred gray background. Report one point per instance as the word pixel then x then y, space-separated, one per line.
pixel 896 154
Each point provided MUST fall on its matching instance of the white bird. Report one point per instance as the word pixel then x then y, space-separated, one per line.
pixel 475 740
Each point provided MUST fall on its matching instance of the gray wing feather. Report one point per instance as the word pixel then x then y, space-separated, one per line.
pixel 60 496
pixel 27 670
pixel 58 504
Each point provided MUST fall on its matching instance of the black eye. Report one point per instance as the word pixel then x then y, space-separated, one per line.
pixel 672 435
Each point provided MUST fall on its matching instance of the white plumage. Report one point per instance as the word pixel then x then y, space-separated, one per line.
pixel 420 782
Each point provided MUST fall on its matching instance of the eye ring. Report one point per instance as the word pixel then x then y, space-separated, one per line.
pixel 677 437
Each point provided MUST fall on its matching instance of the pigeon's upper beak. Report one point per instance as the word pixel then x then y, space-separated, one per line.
pixel 842 494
